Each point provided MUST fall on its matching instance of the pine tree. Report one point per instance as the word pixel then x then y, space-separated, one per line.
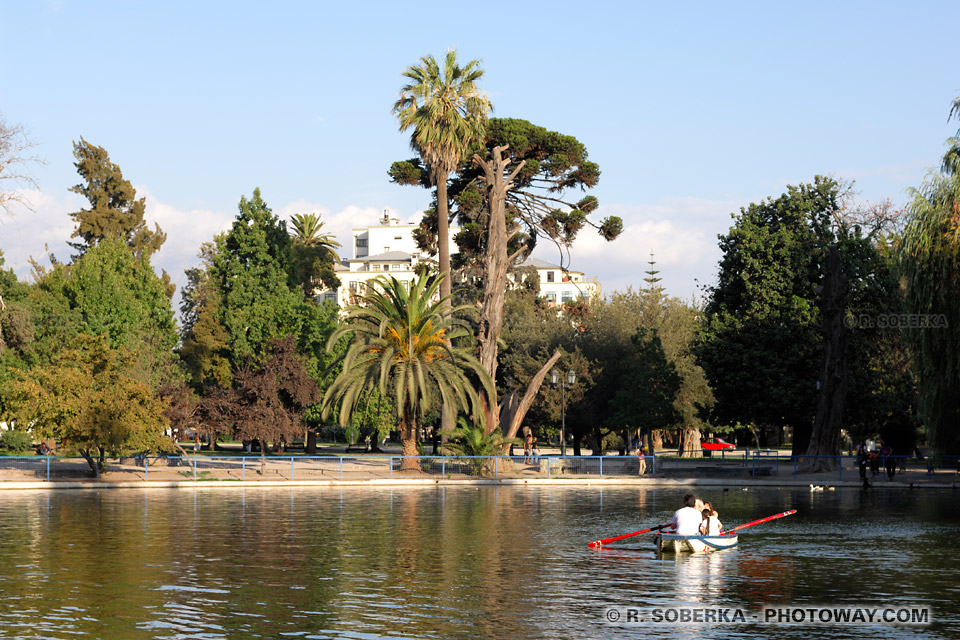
pixel 115 211
pixel 652 280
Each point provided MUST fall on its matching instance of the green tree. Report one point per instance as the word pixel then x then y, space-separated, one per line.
pixel 119 296
pixel 759 342
pixel 90 399
pixel 407 345
pixel 646 400
pixel 204 347
pixel 930 260
pixel 447 112
pixel 259 297
pixel 606 338
pixel 115 211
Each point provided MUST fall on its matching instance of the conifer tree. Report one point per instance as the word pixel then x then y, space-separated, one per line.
pixel 115 211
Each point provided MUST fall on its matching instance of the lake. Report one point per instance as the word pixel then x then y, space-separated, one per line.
pixel 458 562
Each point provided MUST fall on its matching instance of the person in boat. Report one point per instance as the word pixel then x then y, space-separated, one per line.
pixel 686 520
pixel 711 525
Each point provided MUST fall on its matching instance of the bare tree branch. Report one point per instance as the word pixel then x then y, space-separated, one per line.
pixel 14 157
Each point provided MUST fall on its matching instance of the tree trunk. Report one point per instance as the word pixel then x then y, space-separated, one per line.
pixel 512 413
pixel 690 443
pixel 311 447
pixel 446 285
pixel 597 444
pixel 656 440
pixel 825 437
pixel 408 438
pixel 496 264
pixel 443 236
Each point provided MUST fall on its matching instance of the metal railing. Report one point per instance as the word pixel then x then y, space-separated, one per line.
pixel 756 463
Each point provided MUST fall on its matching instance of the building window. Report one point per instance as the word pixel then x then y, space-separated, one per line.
pixel 567 296
pixel 386 249
pixel 353 287
pixel 396 267
pixel 551 297
pixel 361 243
pixel 549 276
pixel 398 237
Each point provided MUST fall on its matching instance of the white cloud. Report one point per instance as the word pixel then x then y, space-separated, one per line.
pixel 681 233
pixel 48 224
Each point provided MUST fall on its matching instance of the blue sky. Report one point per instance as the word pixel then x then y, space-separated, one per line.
pixel 691 110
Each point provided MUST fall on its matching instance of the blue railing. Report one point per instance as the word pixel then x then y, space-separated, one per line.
pixel 746 463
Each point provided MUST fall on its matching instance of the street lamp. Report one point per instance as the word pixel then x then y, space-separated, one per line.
pixel 564 385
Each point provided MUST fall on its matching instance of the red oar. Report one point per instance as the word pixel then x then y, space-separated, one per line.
pixel 600 543
pixel 760 521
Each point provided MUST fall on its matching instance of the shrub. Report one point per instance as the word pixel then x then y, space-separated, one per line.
pixel 16 441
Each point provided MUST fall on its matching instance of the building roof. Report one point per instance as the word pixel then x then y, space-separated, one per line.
pixel 539 264
pixel 390 256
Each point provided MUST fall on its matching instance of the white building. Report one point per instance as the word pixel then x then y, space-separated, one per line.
pixel 559 286
pixel 389 249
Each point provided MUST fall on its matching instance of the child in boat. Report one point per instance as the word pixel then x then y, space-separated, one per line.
pixel 711 524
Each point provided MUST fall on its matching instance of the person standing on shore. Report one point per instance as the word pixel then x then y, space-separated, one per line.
pixel 527 443
pixel 641 458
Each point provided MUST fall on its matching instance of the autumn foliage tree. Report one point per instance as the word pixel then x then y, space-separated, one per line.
pixel 90 399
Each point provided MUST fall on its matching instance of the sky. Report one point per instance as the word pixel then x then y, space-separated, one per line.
pixel 692 110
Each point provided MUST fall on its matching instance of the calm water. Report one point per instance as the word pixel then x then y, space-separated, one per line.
pixel 454 562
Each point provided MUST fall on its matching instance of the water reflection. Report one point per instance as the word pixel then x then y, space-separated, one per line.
pixel 449 562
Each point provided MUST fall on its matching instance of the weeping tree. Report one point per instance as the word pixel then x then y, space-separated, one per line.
pixel 411 346
pixel 930 260
pixel 512 191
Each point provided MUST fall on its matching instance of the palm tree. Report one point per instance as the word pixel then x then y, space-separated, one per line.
pixel 469 440
pixel 315 252
pixel 405 344
pixel 307 229
pixel 448 114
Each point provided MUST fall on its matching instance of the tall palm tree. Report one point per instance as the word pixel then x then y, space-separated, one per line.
pixel 405 345
pixel 448 114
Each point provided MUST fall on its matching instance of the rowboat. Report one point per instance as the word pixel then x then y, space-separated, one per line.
pixel 675 543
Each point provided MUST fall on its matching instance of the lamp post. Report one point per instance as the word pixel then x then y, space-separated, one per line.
pixel 555 379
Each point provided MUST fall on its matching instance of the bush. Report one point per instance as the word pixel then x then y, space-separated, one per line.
pixel 16 441
pixel 332 433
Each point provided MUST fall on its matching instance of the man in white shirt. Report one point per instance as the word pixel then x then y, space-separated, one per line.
pixel 687 519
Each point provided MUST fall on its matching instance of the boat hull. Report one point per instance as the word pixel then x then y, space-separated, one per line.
pixel 673 543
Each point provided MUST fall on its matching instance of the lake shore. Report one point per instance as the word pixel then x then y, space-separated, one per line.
pixel 813 483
